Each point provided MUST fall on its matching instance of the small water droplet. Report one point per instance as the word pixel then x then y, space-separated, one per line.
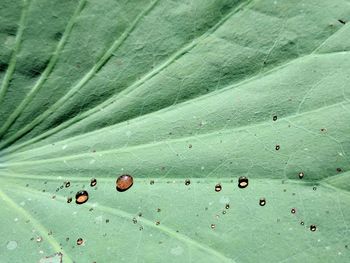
pixel 93 182
pixel 11 245
pixel 314 188
pixel 212 226
pixel 190 146
pixel 262 201
pixel 187 182
pixel 158 223
pixel 293 210
pixel 313 228
pixel 140 214
pixel 124 182
pixel 80 241
pixel 339 170
pixel 227 206
pixel 242 182
pixel 141 228
pixel 39 239
pixel 301 175
pixel 81 197
pixel 151 182
pixel 223 212
pixel 274 118
pixel 107 221
pixel 158 210
pixel 66 184
pixel 302 223
pixel 69 199
pixel 277 147
pixel 218 188
pixel 134 220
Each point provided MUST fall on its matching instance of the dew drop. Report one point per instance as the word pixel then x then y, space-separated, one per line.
pixel 69 199
pixel 151 182
pixel 227 206
pixel 158 223
pixel 302 223
pixel 134 220
pixel 277 147
pixel 314 188
pixel 274 118
pixel 313 228
pixel 93 182
pixel 218 188
pixel 124 182
pixel 301 175
pixel 242 182
pixel 80 241
pixel 262 201
pixel 81 197
pixel 158 210
pixel 223 212
pixel 187 182
pixel 67 184
pixel 39 239
pixel 293 210
pixel 212 226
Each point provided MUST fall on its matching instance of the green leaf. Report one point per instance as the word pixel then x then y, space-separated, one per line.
pixel 170 91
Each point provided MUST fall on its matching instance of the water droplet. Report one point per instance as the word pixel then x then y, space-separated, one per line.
pixel 262 201
pixel 302 223
pixel 187 182
pixel 313 228
pixel 301 175
pixel 157 223
pixel 67 184
pixel 140 214
pixel 277 147
pixel 212 226
pixel 39 239
pixel 314 188
pixel 151 182
pixel 81 197
pixel 80 241
pixel 218 188
pixel 242 182
pixel 11 245
pixel 339 170
pixel 227 206
pixel 293 210
pixel 223 212
pixel 274 118
pixel 93 182
pixel 190 146
pixel 158 210
pixel 69 199
pixel 107 221
pixel 124 182
pixel 134 220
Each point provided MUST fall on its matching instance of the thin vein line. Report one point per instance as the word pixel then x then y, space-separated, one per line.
pixel 13 60
pixel 46 73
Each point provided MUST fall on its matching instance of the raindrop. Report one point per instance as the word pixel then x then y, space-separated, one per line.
pixel 61 187
pixel 301 175
pixel 140 214
pixel 314 188
pixel 158 210
pixel 313 228
pixel 93 182
pixel 302 223
pixel 11 245
pixel 293 210
pixel 212 226
pixel 39 239
pixel 277 147
pixel 151 182
pixel 218 188
pixel 67 184
pixel 80 241
pixel 124 182
pixel 223 212
pixel 274 118
pixel 187 182
pixel 242 182
pixel 134 220
pixel 190 146
pixel 81 197
pixel 227 206
pixel 157 223
pixel 69 199
pixel 262 201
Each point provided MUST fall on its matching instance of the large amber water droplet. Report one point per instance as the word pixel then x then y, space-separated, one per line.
pixel 124 182
pixel 243 182
pixel 218 188
pixel 81 197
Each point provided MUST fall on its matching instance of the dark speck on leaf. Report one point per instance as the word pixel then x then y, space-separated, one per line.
pixel 341 21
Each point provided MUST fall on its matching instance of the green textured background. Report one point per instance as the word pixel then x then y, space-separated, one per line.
pixel 167 91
